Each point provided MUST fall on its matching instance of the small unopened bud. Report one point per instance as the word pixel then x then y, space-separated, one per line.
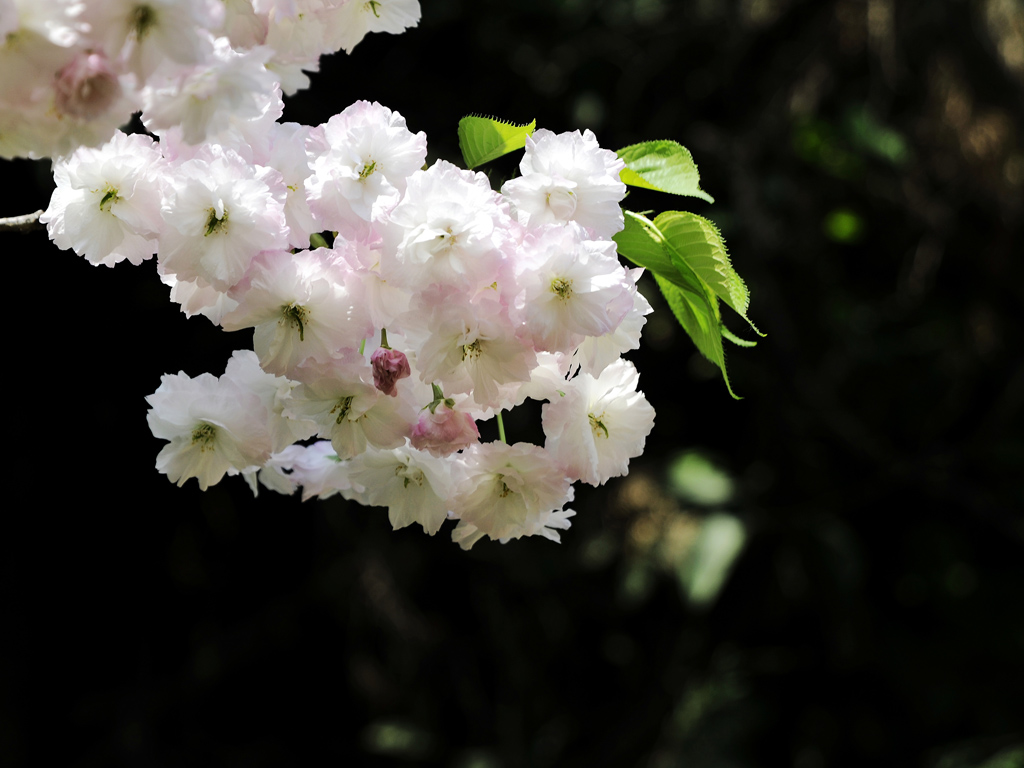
pixel 87 86
pixel 444 431
pixel 389 365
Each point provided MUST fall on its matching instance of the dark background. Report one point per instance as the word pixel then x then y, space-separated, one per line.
pixel 868 167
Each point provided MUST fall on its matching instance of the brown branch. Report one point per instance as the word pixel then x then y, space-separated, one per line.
pixel 24 223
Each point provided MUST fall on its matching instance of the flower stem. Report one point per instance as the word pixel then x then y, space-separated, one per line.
pixel 501 427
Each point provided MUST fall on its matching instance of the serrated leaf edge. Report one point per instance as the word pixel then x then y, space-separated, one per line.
pixel 725 269
pixel 531 126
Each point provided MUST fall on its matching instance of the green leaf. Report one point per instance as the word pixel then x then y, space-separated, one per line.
pixel 664 166
pixel 727 334
pixel 691 299
pixel 698 242
pixel 697 312
pixel 642 243
pixel 483 139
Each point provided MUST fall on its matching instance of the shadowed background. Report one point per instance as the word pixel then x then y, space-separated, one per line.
pixel 826 573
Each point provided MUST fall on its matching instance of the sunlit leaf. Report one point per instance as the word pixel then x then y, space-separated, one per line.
pixel 727 334
pixel 664 166
pixel 699 243
pixel 697 313
pixel 483 139
pixel 692 300
pixel 642 243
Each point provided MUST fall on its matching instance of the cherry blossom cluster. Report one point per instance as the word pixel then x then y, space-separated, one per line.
pixel 393 306
pixel 72 71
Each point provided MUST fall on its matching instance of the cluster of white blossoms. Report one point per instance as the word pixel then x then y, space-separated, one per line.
pixel 72 71
pixel 433 302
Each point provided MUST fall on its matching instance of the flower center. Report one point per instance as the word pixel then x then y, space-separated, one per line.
pixel 298 316
pixel 215 224
pixel 562 287
pixel 204 434
pixel 110 197
pixel 447 240
pixel 597 426
pixel 368 170
pixel 471 351
pixel 343 406
pixel 409 476
pixel 142 19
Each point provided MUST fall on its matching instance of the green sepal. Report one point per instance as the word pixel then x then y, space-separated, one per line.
pixel 438 399
pixel 483 139
pixel 664 166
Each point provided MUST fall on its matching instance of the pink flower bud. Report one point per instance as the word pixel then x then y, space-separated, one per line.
pixel 389 365
pixel 444 432
pixel 87 87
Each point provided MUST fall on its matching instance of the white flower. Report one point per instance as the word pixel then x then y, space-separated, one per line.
pixel 449 228
pixel 288 156
pixel 196 297
pixel 205 99
pixel 575 287
pixel 509 491
pixel 468 348
pixel 361 159
pixel 598 352
pixel 413 485
pixel 320 472
pixel 348 409
pixel 220 212
pixel 145 33
pixel 350 21
pixel 107 202
pixel 300 307
pixel 599 424
pixel 214 426
pixel 274 393
pixel 568 177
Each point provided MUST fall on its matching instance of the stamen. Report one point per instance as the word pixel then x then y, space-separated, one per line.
pixel 561 287
pixel 345 405
pixel 213 224
pixel 204 434
pixel 110 197
pixel 298 315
